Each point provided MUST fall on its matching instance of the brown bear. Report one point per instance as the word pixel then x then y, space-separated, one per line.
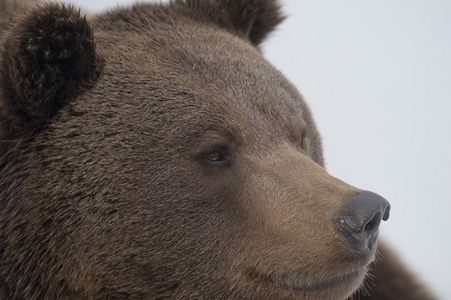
pixel 153 153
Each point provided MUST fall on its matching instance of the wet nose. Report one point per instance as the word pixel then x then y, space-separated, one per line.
pixel 359 219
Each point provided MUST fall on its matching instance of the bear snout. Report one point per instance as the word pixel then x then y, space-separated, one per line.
pixel 359 219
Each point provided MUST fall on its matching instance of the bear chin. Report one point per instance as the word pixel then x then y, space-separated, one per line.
pixel 333 287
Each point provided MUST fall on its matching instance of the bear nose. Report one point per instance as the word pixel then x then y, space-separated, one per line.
pixel 359 219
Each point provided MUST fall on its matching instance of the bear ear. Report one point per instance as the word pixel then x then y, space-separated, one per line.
pixel 46 58
pixel 251 19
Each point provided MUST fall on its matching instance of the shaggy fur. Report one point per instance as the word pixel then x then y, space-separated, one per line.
pixel 8 8
pixel 390 279
pixel 251 19
pixel 167 159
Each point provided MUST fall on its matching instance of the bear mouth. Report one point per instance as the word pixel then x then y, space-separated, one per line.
pixel 300 284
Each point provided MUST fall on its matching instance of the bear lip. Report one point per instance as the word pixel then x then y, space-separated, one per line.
pixel 298 284
pixel 324 284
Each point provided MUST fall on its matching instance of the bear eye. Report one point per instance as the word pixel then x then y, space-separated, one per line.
pixel 215 157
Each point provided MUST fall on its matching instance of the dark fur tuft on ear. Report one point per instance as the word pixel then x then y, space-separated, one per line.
pixel 251 19
pixel 46 57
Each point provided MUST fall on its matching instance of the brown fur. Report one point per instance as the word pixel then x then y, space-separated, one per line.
pixel 105 189
pixel 390 279
pixel 8 8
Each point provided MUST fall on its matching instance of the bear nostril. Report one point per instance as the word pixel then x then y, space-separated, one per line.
pixel 373 224
pixel 359 219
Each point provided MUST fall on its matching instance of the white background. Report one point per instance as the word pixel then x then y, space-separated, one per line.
pixel 377 75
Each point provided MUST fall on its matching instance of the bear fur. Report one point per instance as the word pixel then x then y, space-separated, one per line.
pixel 153 153
pixel 9 8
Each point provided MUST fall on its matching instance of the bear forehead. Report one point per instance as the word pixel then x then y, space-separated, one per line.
pixel 197 69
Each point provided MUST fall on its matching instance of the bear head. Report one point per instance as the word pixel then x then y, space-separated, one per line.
pixel 154 153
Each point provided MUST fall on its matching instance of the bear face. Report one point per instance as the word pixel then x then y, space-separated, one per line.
pixel 166 159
